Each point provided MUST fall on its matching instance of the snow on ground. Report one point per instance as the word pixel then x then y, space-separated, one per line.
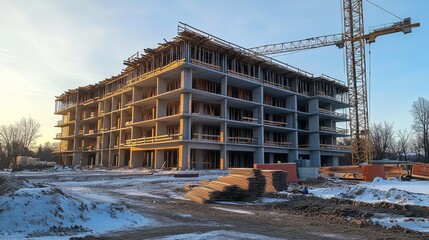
pixel 233 210
pixel 84 201
pixel 416 224
pixel 76 202
pixel 47 211
pixel 219 234
pixel 380 190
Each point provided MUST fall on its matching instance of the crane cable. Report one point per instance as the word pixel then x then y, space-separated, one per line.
pixel 385 10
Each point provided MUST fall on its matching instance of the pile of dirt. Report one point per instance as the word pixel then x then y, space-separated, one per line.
pixel 347 211
pixel 9 184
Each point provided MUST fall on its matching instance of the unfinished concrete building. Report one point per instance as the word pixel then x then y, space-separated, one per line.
pixel 201 102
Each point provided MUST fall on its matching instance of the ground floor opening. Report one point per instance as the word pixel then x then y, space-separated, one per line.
pixel 239 159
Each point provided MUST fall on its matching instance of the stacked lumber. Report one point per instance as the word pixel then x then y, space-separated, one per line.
pixel 210 191
pixel 275 180
pixel 248 179
pixel 227 192
pixel 239 185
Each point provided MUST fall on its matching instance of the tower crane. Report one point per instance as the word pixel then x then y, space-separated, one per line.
pixel 353 39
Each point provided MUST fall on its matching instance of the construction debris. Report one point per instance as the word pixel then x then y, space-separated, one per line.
pixel 241 184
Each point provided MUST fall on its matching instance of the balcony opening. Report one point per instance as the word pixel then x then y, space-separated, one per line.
pixel 171 159
pixel 240 159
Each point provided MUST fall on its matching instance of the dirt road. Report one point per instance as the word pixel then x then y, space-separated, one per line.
pixel 300 217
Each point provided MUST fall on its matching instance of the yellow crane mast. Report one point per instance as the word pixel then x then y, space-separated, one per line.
pixel 353 39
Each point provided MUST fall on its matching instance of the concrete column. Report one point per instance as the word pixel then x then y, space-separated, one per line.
pixel 260 76
pixel 313 105
pixel 186 78
pixel 159 158
pixel 224 163
pixel 121 160
pixel 136 159
pixel 186 53
pixel 161 86
pixel 315 159
pixel 292 156
pixel 258 93
pixel 185 103
pixel 185 128
pixel 97 159
pixel 224 86
pixel 224 66
pixel 77 159
pixel 185 157
pixel 259 134
pixel 224 114
pixel 258 156
pixel 223 132
pixel 161 108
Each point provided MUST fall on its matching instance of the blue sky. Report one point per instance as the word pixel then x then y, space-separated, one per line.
pixel 49 46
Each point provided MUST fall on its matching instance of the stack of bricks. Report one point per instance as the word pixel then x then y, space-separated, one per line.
pixel 241 184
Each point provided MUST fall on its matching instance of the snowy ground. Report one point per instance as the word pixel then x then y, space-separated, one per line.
pixel 60 203
pixel 53 207
pixel 380 190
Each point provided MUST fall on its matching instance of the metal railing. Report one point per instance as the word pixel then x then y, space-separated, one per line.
pixel 242 140
pixel 334 147
pixel 205 137
pixel 332 113
pixel 153 139
pixel 277 144
pixel 249 119
pixel 275 123
pixel 277 85
pixel 335 130
pixel 204 64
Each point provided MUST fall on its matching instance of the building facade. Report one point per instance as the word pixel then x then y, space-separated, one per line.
pixel 199 102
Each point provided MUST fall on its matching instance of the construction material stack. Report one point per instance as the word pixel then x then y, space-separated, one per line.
pixel 248 179
pixel 241 184
pixel 275 180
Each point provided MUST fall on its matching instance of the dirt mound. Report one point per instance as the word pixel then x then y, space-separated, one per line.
pixel 9 184
pixel 348 211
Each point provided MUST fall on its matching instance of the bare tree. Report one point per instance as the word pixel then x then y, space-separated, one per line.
pixel 416 148
pixel 29 131
pixel 402 143
pixel 46 152
pixel 420 112
pixel 382 137
pixel 16 139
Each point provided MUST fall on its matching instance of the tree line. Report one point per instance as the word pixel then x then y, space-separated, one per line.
pixel 403 144
pixel 18 139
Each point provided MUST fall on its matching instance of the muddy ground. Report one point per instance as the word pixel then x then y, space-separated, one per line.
pixel 301 217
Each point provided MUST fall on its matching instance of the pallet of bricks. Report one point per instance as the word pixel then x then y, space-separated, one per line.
pixel 240 184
